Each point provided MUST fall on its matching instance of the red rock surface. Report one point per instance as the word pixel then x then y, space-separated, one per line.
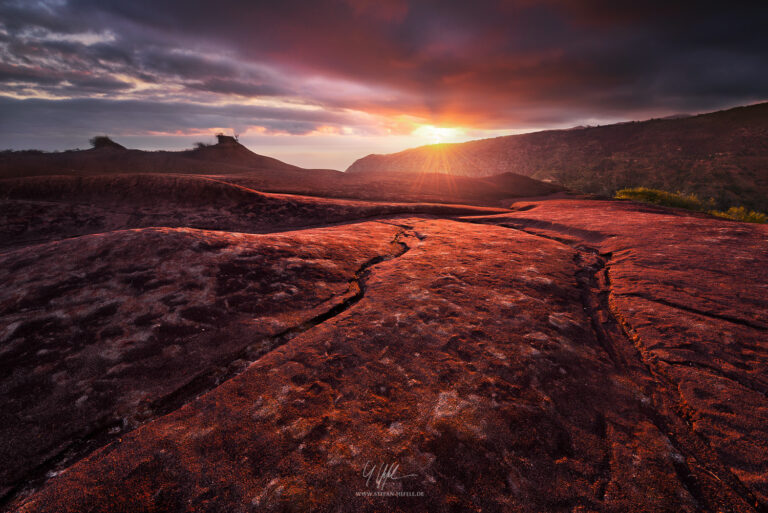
pixel 569 355
pixel 39 209
pixel 134 323
pixel 690 293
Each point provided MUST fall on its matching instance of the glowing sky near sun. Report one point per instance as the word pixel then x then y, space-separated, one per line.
pixel 320 84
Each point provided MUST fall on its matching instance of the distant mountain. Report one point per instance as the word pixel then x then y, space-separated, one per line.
pixel 22 175
pixel 227 156
pixel 723 155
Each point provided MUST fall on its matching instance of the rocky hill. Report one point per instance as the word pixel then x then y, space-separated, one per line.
pixel 722 155
pixel 227 156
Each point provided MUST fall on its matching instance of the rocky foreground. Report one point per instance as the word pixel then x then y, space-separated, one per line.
pixel 563 355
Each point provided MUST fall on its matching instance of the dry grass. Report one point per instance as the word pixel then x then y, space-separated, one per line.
pixel 689 202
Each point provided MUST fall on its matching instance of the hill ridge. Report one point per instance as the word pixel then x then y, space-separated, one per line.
pixel 723 155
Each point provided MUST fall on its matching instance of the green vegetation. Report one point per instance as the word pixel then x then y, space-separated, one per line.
pixel 668 199
pixel 741 214
pixel 689 202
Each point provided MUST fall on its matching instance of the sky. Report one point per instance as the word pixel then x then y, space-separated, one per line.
pixel 322 83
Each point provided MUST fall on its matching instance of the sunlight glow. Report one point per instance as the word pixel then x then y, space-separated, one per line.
pixel 437 135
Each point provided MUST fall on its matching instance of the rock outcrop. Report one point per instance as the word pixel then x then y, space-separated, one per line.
pixel 564 355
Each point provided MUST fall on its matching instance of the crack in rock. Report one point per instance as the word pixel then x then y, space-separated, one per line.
pixel 109 430
pixel 625 350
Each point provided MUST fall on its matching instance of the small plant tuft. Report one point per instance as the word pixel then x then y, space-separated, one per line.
pixel 741 214
pixel 668 199
pixel 689 202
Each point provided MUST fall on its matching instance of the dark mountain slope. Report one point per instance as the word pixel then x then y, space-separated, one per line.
pixel 723 155
pixel 232 162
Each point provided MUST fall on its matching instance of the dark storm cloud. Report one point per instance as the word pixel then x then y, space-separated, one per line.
pixel 99 84
pixel 185 65
pixel 130 117
pixel 10 73
pixel 505 64
pixel 218 85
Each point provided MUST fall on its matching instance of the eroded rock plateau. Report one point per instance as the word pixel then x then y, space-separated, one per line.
pixel 560 355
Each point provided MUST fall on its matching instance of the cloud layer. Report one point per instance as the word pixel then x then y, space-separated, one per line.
pixel 368 68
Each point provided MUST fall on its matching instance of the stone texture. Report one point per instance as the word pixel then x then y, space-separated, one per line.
pixel 567 355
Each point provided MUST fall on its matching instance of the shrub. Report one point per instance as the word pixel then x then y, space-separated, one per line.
pixel 200 145
pixel 99 141
pixel 741 214
pixel 690 202
pixel 659 197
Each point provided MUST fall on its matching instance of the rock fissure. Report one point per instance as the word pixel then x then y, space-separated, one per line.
pixel 665 408
pixel 109 430
pixel 679 429
pixel 719 372
pixel 703 313
pixel 669 419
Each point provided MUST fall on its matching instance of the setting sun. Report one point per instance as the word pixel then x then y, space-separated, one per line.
pixel 437 135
